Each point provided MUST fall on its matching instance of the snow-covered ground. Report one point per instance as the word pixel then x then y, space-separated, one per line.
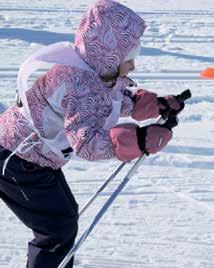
pixel 165 216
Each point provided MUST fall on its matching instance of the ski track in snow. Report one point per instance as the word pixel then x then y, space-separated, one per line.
pixel 165 216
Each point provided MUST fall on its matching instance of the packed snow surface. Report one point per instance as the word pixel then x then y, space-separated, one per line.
pixel 164 218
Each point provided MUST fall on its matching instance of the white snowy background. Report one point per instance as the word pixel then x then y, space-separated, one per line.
pixel 165 216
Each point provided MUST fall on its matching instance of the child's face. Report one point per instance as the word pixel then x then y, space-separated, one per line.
pixel 126 67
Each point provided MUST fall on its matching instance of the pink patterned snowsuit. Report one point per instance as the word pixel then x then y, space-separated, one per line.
pixel 69 106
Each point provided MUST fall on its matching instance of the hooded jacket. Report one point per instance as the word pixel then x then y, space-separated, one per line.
pixel 70 106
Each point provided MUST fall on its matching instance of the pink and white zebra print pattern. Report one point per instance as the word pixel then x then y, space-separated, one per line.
pixel 107 32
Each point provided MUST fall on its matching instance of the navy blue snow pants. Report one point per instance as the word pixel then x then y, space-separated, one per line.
pixel 42 200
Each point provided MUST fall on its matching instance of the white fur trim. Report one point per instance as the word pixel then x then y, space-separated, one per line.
pixel 134 52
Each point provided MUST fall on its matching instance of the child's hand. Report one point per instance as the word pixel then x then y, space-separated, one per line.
pixel 153 138
pixel 131 141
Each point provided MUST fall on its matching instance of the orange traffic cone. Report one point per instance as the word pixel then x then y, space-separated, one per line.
pixel 208 73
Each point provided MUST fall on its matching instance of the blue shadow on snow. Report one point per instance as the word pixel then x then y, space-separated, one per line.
pixel 35 36
pixel 148 51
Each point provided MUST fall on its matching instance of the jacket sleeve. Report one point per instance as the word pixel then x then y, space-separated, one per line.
pixel 84 132
pixel 127 96
pixel 127 104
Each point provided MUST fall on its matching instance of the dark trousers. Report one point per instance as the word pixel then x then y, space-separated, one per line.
pixel 42 200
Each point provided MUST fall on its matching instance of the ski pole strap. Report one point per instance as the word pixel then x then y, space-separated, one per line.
pixel 101 212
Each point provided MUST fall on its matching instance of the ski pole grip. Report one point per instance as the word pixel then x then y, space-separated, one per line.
pixel 172 121
pixel 186 94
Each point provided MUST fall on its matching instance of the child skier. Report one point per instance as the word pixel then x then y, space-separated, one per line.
pixel 74 108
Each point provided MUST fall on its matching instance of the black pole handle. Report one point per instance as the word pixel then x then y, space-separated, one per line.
pixel 186 94
pixel 172 121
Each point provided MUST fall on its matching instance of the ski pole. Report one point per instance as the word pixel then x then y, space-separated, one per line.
pixel 114 174
pixel 101 212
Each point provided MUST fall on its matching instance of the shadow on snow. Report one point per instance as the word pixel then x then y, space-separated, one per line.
pixel 35 36
pixel 148 51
